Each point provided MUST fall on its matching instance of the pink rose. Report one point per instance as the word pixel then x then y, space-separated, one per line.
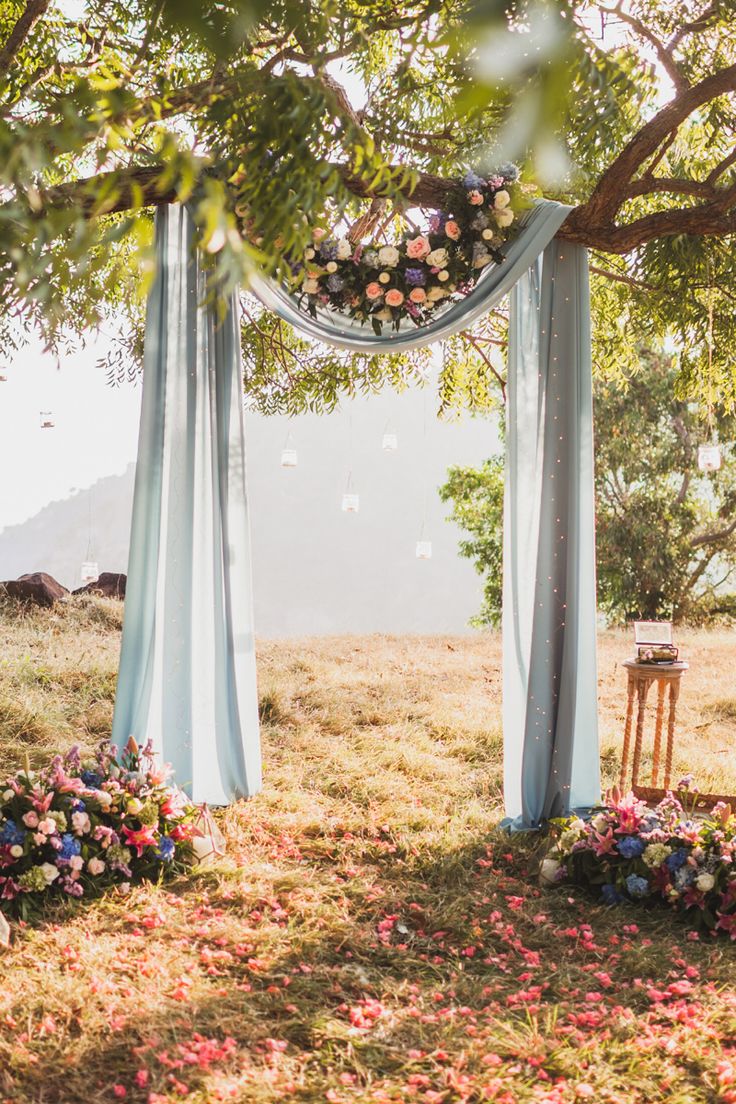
pixel 417 295
pixel 48 826
pixel 476 198
pixel 418 247
pixel 452 230
pixel 318 233
pixel 373 290
pixel 394 297
pixel 30 819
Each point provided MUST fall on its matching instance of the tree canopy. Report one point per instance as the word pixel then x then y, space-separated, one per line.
pixel 273 116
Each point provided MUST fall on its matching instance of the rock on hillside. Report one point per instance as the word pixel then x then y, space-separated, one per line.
pixel 38 589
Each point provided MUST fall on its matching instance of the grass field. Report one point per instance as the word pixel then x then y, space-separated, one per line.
pixel 371 936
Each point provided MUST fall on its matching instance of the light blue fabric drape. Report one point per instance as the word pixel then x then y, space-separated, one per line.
pixel 187 676
pixel 549 620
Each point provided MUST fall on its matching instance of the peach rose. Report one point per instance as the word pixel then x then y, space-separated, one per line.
pixel 417 295
pixel 452 229
pixel 373 290
pixel 476 198
pixel 394 298
pixel 318 233
pixel 417 248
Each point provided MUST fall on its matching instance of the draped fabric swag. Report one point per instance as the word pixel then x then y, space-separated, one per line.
pixel 187 673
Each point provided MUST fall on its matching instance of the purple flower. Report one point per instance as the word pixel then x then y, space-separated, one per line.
pixel 637 887
pixel 472 181
pixel 416 277
pixel 509 171
pixel 611 895
pixel 335 282
pixel 677 859
pixel 328 251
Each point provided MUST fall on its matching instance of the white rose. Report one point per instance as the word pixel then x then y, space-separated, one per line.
pixel 76 862
pixel 311 287
pixel 134 806
pixel 388 256
pixel 8 795
pixel 331 266
pixel 600 822
pixel 548 871
pixel 705 883
pixel 383 277
pixel 436 293
pixel 344 250
pixel 95 866
pixel 103 797
pixel 309 254
pixel 50 872
pixel 501 200
pixel 80 823
pixel 504 217
pixel 437 258
pixel 16 850
pixel 444 275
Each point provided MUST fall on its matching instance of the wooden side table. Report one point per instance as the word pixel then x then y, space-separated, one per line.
pixel 641 677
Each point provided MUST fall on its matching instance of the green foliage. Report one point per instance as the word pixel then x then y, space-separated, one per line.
pixel 666 532
pixel 271 116
pixel 477 507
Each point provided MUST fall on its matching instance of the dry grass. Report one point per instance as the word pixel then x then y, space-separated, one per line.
pixel 370 937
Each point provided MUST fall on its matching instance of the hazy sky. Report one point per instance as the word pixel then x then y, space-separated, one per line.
pixel 96 430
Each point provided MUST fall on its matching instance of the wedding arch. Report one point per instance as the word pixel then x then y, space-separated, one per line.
pixel 187 675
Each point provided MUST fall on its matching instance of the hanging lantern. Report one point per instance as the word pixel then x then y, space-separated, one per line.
pixel 47 419
pixel 350 498
pixel 208 841
pixel 424 549
pixel 90 572
pixel 289 458
pixel 3 377
pixel 390 440
pixel 709 458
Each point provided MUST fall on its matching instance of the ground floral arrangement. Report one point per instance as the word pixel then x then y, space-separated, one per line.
pixel 79 827
pixel 634 853
pixel 411 277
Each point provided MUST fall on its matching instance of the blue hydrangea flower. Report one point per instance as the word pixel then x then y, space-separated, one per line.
pixel 509 171
pixel 328 251
pixel 631 847
pixel 637 887
pixel 677 859
pixel 11 834
pixel 166 848
pixel 69 846
pixel 78 805
pixel 611 895
pixel 416 277
pixel 335 282
pixel 91 779
pixel 472 181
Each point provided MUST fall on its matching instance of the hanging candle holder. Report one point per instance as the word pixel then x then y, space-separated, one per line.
pixel 709 457
pixel 47 419
pixel 289 458
pixel 424 549
pixel 390 439
pixel 350 498
pixel 90 572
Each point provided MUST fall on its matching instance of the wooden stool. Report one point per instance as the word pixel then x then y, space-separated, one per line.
pixel 641 677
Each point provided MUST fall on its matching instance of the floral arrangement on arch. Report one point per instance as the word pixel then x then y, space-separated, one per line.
pixel 634 853
pixel 78 827
pixel 408 279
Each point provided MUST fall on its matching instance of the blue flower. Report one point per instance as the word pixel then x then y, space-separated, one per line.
pixel 509 171
pixel 328 251
pixel 78 805
pixel 611 895
pixel 677 859
pixel 91 779
pixel 166 848
pixel 472 181
pixel 416 277
pixel 11 834
pixel 69 846
pixel 637 887
pixel 631 847
pixel 335 282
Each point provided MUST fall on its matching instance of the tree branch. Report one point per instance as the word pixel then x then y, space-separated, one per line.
pixel 664 53
pixel 34 9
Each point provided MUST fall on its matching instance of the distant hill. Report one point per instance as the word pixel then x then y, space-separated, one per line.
pixel 316 570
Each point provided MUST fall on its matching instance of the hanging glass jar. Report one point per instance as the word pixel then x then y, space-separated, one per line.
pixel 709 458
pixel 47 419
pixel 424 549
pixel 350 498
pixel 3 377
pixel 390 439
pixel 289 458
pixel 90 572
